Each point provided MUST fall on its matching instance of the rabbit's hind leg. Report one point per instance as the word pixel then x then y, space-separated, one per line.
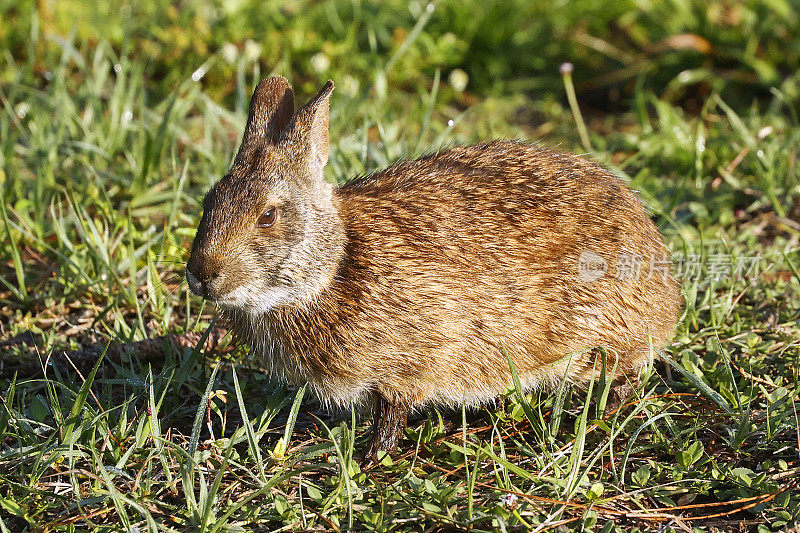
pixel 389 421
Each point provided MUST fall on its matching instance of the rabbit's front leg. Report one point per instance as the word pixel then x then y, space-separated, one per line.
pixel 388 424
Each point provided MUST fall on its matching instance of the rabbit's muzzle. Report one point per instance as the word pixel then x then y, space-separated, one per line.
pixel 204 282
pixel 197 285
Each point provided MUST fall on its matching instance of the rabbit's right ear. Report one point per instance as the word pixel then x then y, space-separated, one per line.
pixel 271 109
pixel 310 124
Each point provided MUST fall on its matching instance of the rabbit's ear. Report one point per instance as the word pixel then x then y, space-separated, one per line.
pixel 310 124
pixel 271 110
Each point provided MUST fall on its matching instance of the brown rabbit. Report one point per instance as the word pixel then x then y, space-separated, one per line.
pixel 408 287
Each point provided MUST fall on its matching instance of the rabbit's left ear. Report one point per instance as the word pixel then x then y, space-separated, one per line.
pixel 271 109
pixel 310 125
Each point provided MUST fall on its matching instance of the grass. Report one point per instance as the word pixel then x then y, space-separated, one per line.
pixel 108 141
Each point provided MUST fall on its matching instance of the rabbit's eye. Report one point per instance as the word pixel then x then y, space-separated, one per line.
pixel 268 218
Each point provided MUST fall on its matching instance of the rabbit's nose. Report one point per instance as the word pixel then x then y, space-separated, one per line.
pixel 199 283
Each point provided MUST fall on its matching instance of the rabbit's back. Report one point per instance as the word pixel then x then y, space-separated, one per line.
pixel 454 260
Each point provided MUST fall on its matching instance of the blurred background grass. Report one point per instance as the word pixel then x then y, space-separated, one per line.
pixel 680 49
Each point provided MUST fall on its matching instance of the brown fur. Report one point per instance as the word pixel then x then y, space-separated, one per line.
pixel 419 279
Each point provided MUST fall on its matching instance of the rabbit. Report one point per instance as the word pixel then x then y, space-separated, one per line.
pixel 421 284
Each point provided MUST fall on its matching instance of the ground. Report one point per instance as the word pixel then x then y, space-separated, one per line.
pixel 117 117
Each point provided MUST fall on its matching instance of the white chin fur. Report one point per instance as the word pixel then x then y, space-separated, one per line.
pixel 258 300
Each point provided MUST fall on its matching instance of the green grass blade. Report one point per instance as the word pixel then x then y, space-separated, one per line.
pixel 252 441
pixel 705 389
pixel 21 290
pixel 70 433
pixel 208 504
pixel 197 426
pixel 290 422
